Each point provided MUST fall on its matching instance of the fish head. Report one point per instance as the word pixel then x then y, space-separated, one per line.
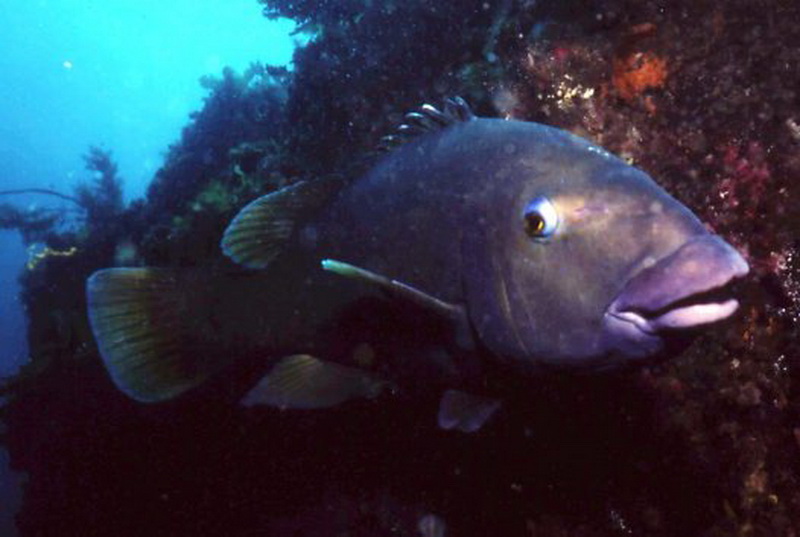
pixel 586 263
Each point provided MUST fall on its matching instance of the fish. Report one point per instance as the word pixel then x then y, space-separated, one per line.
pixel 475 254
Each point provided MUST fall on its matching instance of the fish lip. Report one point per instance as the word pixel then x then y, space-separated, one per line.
pixel 695 315
pixel 698 297
pixel 633 319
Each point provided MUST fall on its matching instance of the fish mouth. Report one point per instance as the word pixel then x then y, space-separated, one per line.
pixel 692 287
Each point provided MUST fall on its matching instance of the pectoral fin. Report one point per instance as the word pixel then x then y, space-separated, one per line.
pixel 454 313
pixel 465 412
pixel 304 382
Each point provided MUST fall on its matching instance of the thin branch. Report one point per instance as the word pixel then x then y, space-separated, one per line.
pixel 42 191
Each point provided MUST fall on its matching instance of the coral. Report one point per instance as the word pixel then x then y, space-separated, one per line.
pixel 635 69
pixel 638 72
pixel 744 187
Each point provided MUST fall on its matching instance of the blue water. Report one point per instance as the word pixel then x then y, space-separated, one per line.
pixel 122 75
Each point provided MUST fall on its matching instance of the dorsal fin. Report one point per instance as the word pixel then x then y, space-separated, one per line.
pixel 428 118
pixel 264 227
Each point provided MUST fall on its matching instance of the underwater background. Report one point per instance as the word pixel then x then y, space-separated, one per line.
pixel 145 127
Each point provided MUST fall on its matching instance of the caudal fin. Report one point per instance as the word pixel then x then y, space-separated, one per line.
pixel 138 316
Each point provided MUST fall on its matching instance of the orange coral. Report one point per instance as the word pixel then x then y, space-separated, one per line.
pixel 638 72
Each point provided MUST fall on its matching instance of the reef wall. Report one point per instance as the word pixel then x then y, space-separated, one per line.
pixel 702 95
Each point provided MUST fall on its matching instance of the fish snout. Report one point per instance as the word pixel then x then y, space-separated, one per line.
pixel 690 287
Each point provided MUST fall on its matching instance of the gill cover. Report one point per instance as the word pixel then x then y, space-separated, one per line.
pixel 563 228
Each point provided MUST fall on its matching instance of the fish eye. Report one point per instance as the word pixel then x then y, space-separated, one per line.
pixel 541 218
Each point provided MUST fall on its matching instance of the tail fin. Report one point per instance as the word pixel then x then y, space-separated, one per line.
pixel 138 318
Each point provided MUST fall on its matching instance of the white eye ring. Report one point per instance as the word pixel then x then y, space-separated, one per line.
pixel 541 218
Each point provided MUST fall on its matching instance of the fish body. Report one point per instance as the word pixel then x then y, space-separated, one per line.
pixel 480 244
pixel 445 214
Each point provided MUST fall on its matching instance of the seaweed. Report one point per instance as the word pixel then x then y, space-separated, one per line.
pixel 232 151
pixel 33 224
pixel 103 198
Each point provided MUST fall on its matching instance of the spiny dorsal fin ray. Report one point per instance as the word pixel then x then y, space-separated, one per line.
pixel 263 228
pixel 426 119
pixel 138 317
